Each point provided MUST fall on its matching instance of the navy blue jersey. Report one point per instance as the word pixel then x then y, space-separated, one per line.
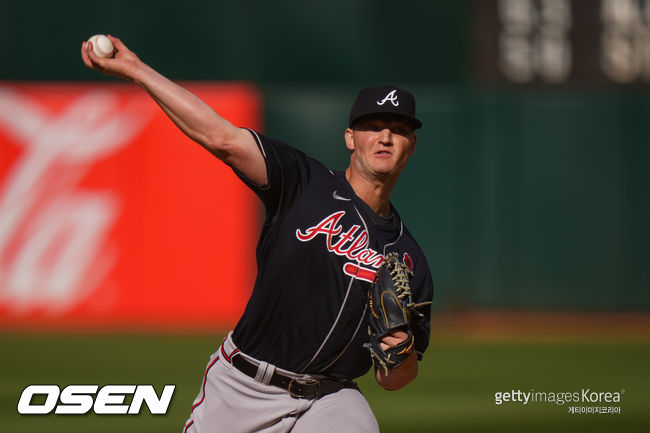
pixel 316 258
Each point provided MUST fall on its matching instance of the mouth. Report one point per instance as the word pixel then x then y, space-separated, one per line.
pixel 383 153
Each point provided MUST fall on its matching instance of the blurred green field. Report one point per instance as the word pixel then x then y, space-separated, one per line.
pixel 453 393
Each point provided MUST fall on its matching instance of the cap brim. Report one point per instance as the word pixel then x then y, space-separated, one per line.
pixel 414 121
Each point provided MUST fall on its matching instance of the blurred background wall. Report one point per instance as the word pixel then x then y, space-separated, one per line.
pixel 530 187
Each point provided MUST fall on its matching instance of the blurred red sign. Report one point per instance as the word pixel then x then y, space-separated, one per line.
pixel 111 218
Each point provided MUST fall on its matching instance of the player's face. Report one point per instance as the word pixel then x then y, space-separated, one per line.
pixel 380 146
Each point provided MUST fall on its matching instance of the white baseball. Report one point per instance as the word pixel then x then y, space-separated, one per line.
pixel 102 46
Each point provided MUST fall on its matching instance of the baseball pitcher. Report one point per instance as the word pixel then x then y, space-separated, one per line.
pixel 341 283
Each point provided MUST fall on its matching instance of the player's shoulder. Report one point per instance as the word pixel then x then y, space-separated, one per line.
pixel 271 147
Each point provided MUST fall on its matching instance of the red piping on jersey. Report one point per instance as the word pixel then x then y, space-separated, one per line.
pixel 205 379
pixel 228 357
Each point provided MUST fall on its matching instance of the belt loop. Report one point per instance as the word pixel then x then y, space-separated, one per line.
pixel 270 371
pixel 261 371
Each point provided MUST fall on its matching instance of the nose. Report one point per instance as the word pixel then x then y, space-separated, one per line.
pixel 385 137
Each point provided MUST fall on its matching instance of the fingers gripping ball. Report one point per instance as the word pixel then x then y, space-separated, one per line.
pixel 390 309
pixel 102 46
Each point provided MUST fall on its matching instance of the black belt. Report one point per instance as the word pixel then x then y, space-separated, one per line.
pixel 310 389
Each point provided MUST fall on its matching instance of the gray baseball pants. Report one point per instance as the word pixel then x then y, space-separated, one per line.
pixel 230 401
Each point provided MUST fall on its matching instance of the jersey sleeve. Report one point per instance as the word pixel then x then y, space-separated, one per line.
pixel 287 171
pixel 422 291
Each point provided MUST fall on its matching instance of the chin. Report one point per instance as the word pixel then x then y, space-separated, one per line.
pixel 385 168
pixel 384 174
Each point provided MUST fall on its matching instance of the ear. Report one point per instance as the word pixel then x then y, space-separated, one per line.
pixel 349 139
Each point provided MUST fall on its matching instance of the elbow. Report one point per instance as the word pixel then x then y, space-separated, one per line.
pixel 220 145
pixel 216 144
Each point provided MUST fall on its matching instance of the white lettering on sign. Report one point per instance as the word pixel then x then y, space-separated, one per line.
pixel 52 232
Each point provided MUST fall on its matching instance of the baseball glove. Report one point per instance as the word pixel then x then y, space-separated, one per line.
pixel 390 309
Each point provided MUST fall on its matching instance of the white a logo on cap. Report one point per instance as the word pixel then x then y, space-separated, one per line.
pixel 392 97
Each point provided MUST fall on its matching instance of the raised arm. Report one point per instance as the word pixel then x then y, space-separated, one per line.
pixel 234 146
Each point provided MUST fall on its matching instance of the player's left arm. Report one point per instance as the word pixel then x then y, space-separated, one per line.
pixel 401 376
pixel 419 328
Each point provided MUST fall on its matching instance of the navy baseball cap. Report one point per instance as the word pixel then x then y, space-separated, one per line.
pixel 384 100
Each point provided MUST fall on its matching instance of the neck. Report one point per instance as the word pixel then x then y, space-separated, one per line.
pixel 374 192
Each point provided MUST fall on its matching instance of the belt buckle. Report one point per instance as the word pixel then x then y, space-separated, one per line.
pixel 300 388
